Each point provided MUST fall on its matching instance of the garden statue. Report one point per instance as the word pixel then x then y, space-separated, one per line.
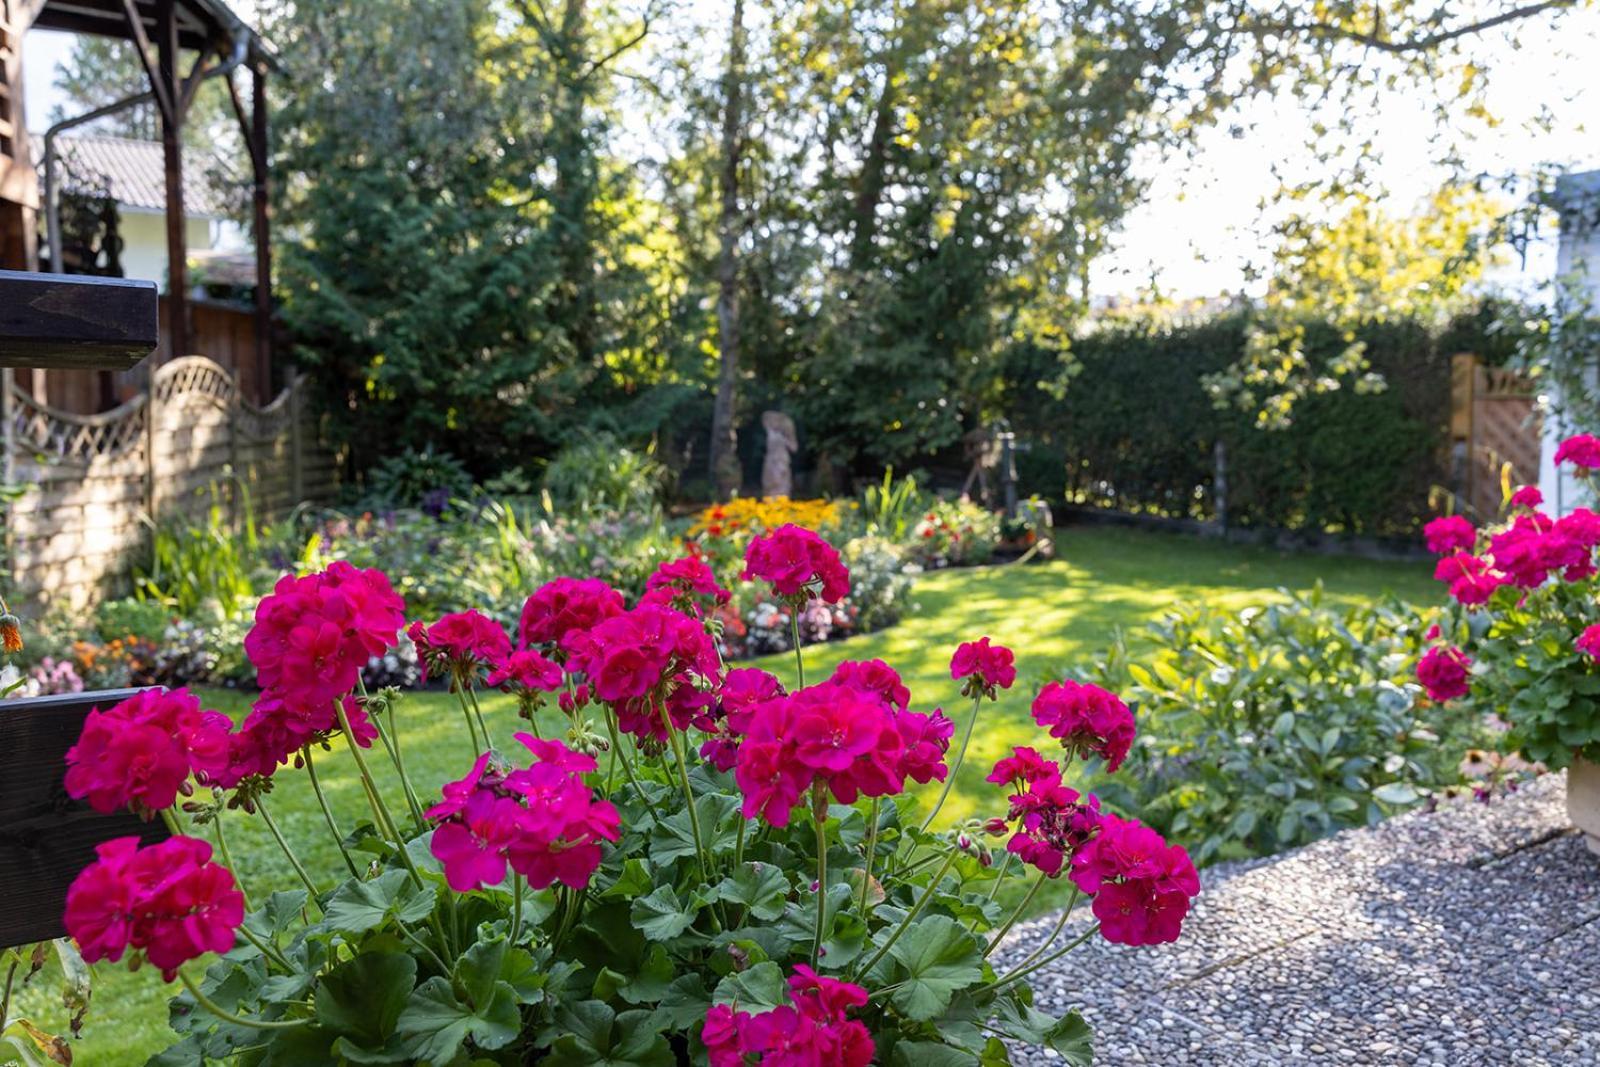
pixel 777 479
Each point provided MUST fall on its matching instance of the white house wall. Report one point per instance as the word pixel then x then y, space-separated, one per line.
pixel 1577 258
pixel 144 244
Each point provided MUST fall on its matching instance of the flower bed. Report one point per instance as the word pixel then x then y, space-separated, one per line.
pixel 697 862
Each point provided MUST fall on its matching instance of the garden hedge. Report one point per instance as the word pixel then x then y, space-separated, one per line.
pixel 1136 430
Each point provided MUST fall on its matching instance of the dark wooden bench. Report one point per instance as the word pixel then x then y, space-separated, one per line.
pixel 55 321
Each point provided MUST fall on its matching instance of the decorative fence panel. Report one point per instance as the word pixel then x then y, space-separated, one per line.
pixel 93 482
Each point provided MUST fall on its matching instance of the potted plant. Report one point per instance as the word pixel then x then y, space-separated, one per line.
pixel 1523 639
pixel 695 865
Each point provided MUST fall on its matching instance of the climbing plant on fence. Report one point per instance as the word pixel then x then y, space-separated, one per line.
pixel 1133 429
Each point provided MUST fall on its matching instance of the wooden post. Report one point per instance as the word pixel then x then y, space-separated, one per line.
pixel 172 155
pixel 263 232
pixel 8 469
pixel 296 464
pixel 1219 485
pixel 151 410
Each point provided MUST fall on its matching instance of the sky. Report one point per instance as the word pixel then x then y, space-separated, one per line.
pixel 1207 220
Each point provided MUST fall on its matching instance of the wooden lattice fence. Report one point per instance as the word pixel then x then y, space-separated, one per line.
pixel 93 481
pixel 1494 423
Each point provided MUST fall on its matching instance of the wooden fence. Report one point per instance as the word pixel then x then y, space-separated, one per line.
pixel 93 482
pixel 1495 430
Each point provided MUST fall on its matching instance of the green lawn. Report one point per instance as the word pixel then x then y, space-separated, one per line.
pixel 1054 615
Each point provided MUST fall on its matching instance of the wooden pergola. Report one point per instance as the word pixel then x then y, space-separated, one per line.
pixel 182 43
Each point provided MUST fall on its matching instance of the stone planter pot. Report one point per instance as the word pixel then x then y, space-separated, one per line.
pixel 1583 800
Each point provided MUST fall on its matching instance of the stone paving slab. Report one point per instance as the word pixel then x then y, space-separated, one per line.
pixel 1463 937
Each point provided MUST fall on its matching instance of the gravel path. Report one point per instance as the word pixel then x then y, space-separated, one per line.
pixel 1464 937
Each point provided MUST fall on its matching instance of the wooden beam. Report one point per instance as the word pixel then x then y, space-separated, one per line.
pixel 71 321
pixel 172 155
pixel 153 68
pixel 46 837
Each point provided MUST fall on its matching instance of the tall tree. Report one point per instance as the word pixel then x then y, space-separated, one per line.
pixel 725 470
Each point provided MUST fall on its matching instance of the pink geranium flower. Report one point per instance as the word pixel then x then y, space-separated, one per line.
pixel 686 584
pixel 313 634
pixel 1086 720
pixel 167 902
pixel 798 563
pixel 461 645
pixel 986 667
pixel 1589 641
pixel 1142 886
pixel 1443 672
pixel 1581 450
pixel 815 1030
pixel 1472 580
pixel 1527 496
pixel 141 752
pixel 563 606
pixel 1449 533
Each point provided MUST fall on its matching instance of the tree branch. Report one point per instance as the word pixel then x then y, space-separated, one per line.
pixel 1426 43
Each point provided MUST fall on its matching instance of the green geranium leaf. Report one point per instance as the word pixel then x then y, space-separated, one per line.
pixel 361 1000
pixel 357 907
pixel 652 978
pixel 673 836
pixel 1069 1035
pixel 634 881
pixel 435 1023
pixel 661 916
pixel 756 989
pixel 590 1034
pixel 938 957
pixel 762 888
pixel 684 1003
pixel 930 1054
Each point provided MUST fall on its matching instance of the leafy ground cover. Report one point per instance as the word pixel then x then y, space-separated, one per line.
pixel 1056 615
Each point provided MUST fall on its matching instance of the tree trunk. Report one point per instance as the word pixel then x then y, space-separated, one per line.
pixel 574 193
pixel 869 193
pixel 725 472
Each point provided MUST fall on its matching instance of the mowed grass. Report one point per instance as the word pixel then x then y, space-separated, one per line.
pixel 1054 615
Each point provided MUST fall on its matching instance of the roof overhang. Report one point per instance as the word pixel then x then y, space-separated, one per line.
pixel 202 24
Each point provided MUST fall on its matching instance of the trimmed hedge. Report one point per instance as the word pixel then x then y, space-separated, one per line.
pixel 1136 431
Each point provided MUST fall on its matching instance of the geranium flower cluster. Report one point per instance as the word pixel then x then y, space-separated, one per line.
pixel 461 645
pixel 798 564
pixel 542 820
pixel 1086 719
pixel 814 1029
pixel 1443 673
pixel 686 584
pixel 985 667
pixel 312 635
pixel 1142 886
pixel 1053 820
pixel 852 733
pixel 563 606
pixel 168 902
pixel 643 661
pixel 141 752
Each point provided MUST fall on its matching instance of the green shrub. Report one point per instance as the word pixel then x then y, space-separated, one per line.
pixel 202 567
pixel 1272 727
pixel 892 508
pixel 414 478
pixel 130 616
pixel 599 474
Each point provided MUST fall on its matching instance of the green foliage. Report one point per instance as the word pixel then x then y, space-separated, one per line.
pixel 954 533
pixel 892 507
pixel 409 478
pixel 203 567
pixel 1138 432
pixel 1271 727
pixel 130 616
pixel 598 474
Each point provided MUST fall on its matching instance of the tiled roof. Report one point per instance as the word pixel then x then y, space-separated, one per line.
pixel 136 172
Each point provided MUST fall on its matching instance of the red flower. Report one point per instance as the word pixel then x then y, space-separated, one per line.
pixel 1472 580
pixel 639 658
pixel 168 902
pixel 1443 673
pixel 798 563
pixel 1589 641
pixel 875 678
pixel 141 752
pixel 279 725
pixel 684 584
pixel 814 1032
pixel 1086 719
pixel 1449 533
pixel 1581 450
pixel 558 608
pixel 1142 886
pixel 989 667
pixel 526 671
pixel 1023 765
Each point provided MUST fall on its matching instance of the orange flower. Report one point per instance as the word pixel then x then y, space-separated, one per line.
pixel 10 633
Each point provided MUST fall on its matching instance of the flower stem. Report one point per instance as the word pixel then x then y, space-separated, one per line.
pixel 391 743
pixel 1005 866
pixel 794 630
pixel 327 812
pixel 676 741
pixel 172 822
pixel 627 767
pixel 872 848
pixel 819 816
pixel 516 907
pixel 283 843
pixel 227 858
pixel 229 1017
pixel 955 768
pixel 1038 883
pixel 478 746
pixel 916 909
pixel 1055 933
pixel 264 948
pixel 1027 969
pixel 379 808
pixel 472 695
